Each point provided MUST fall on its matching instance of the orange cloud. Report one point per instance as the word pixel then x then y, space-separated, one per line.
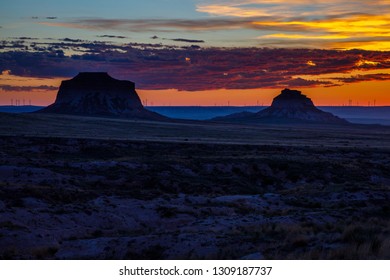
pixel 344 24
pixel 311 63
pixel 232 11
pixel 244 8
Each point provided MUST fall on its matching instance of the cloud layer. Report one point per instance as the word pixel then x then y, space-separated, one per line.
pixel 298 23
pixel 327 23
pixel 191 68
pixel 26 88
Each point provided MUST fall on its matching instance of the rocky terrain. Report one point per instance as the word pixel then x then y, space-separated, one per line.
pixel 73 198
pixel 291 106
pixel 98 94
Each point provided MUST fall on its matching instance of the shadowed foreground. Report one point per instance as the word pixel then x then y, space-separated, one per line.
pixel 76 188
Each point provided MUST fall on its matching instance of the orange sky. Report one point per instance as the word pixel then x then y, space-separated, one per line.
pixel 362 93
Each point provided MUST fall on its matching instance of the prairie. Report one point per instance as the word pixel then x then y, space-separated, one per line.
pixel 90 188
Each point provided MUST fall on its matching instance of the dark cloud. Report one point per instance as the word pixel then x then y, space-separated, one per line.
pixel 25 38
pixel 186 40
pixel 91 57
pixel 155 66
pixel 112 36
pixel 299 82
pixel 51 17
pixel 72 40
pixel 165 25
pixel 195 47
pixel 365 78
pixel 26 88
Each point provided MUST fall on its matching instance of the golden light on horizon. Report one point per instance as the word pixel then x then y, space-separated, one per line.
pixel 360 93
pixel 368 46
pixel 344 28
pixel 368 32
pixel 302 36
pixel 37 96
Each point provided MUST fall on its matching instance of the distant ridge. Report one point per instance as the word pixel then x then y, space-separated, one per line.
pixel 98 94
pixel 20 109
pixel 291 106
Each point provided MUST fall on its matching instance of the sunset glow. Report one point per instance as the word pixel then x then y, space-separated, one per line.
pixel 203 52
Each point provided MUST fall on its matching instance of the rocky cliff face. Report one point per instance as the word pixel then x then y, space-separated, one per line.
pixel 98 94
pixel 291 106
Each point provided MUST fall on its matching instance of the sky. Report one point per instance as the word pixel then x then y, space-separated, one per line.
pixel 200 52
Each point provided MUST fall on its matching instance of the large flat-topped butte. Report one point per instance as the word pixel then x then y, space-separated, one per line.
pixel 98 94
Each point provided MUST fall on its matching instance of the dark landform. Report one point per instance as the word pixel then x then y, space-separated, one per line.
pixel 353 114
pixel 75 187
pixel 20 109
pixel 97 176
pixel 98 94
pixel 291 106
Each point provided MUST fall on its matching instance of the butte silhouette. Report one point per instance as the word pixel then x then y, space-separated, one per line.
pixel 98 94
pixel 291 106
